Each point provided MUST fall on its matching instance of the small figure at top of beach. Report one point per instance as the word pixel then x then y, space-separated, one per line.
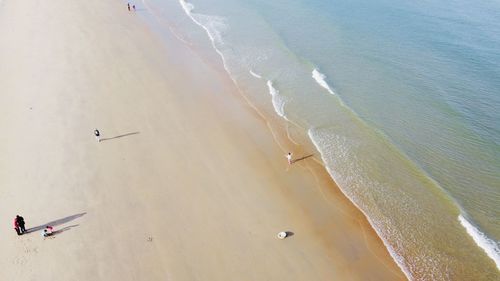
pixel 128 6
pixel 97 135
pixel 289 158
pixel 47 231
pixel 133 7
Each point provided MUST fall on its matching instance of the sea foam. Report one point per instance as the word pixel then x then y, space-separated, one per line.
pixel 214 26
pixel 326 144
pixel 255 74
pixel 320 79
pixel 489 246
pixel 278 101
pixel 188 7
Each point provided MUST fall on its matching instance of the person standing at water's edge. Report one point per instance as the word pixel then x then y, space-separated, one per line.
pixel 128 6
pixel 289 158
pixel 97 135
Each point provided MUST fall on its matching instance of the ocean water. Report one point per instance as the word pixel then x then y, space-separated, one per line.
pixel 401 100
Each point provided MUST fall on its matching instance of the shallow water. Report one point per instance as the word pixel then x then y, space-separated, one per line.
pixel 401 98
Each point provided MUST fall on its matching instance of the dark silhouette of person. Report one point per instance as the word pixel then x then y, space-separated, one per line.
pixel 128 6
pixel 21 223
pixel 16 226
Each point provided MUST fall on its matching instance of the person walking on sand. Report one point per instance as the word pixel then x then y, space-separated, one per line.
pixel 133 7
pixel 97 135
pixel 16 226
pixel 289 158
pixel 20 222
pixel 128 6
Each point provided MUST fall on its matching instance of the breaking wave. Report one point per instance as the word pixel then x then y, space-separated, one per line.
pixel 320 79
pixel 489 246
pixel 278 101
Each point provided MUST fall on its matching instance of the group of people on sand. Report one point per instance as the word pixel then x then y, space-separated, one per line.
pixel 20 227
pixel 128 6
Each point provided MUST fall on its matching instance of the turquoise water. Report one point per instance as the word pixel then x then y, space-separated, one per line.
pixel 400 98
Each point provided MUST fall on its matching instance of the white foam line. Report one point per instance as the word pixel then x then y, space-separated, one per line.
pixel 278 102
pixel 255 74
pixel 489 246
pixel 320 79
pixel 188 8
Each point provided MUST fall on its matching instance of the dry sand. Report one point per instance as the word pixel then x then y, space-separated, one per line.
pixel 188 184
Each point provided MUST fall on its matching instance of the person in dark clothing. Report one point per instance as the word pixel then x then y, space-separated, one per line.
pixel 128 6
pixel 20 222
pixel 16 226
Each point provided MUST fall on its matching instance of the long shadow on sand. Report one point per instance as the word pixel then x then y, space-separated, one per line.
pixel 54 233
pixel 120 136
pixel 56 223
pixel 302 158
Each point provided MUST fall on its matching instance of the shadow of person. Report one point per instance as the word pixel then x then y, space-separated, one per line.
pixel 55 222
pixel 302 158
pixel 120 136
pixel 55 232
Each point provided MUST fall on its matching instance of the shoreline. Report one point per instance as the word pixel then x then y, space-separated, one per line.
pixel 276 125
pixel 398 254
pixel 212 193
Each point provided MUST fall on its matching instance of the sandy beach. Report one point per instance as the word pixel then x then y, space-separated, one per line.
pixel 187 183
